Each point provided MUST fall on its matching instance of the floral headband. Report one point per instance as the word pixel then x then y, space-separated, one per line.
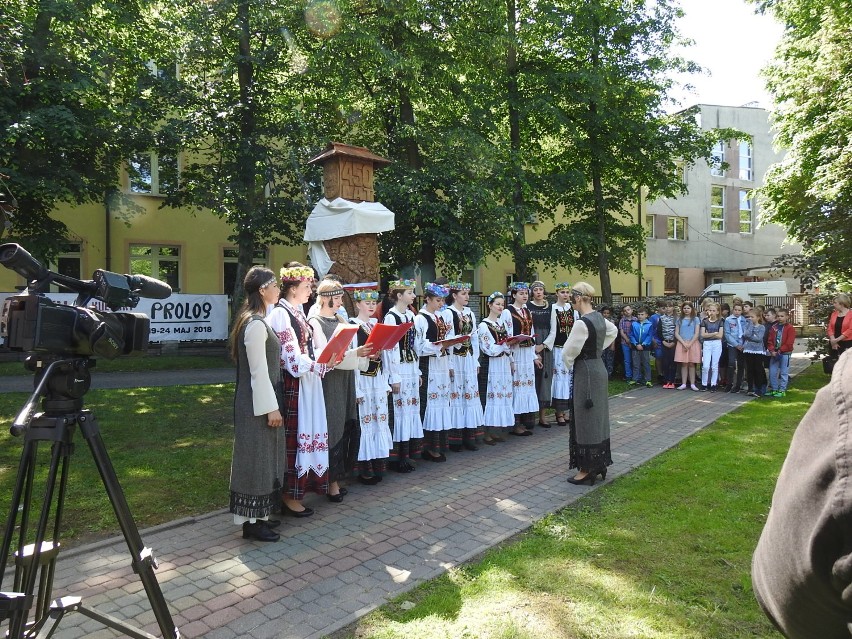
pixel 437 290
pixel 365 295
pixel 297 273
pixel 494 296
pixel 562 286
pixel 402 285
pixel 520 286
pixel 459 286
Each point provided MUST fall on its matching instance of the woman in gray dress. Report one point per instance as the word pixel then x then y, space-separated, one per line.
pixel 338 386
pixel 258 463
pixel 589 429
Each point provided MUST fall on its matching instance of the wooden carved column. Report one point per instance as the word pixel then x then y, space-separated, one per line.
pixel 348 173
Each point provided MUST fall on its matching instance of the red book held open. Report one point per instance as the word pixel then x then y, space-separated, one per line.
pixel 333 352
pixel 446 343
pixel 511 341
pixel 386 336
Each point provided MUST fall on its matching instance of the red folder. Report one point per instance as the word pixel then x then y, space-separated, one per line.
pixel 386 336
pixel 334 351
pixel 446 343
pixel 511 341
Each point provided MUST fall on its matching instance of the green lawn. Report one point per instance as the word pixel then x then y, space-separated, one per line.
pixel 171 448
pixel 662 552
pixel 143 363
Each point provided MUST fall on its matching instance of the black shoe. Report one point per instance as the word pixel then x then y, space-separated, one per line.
pixel 272 523
pixel 286 510
pixel 259 531
pixel 456 448
pixel 702 388
pixel 712 389
pixel 338 498
pixel 588 479
pixel 525 433
pixel 470 446
pixel 369 481
pixel 544 424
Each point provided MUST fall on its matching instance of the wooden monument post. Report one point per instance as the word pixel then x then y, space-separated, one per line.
pixel 348 174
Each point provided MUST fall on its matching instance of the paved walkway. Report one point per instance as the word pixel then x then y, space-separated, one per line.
pixel 330 569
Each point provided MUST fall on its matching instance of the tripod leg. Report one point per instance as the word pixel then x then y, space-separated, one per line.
pixel 143 561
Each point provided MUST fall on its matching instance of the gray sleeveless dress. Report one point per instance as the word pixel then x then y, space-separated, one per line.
pixel 258 462
pixel 589 443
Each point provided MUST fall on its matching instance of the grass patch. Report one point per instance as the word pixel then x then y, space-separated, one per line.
pixel 170 446
pixel 137 364
pixel 664 552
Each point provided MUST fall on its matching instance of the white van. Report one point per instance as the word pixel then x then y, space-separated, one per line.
pixel 746 290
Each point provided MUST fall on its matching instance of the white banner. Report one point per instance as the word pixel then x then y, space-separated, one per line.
pixel 178 318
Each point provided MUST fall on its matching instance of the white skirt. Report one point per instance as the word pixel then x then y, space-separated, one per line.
pixel 464 392
pixel 406 405
pixel 561 388
pixel 438 414
pixel 525 399
pixel 376 438
pixel 499 411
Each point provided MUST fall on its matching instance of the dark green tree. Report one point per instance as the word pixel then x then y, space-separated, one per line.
pixel 76 99
pixel 810 191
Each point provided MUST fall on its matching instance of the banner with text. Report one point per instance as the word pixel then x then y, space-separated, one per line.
pixel 179 318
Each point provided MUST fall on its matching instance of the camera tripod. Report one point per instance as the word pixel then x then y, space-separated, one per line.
pixel 63 383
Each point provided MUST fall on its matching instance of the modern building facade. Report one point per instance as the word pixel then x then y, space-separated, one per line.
pixel 714 232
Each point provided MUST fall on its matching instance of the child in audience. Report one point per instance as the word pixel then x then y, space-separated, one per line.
pixel 782 337
pixel 666 337
pixel 753 351
pixel 711 333
pixel 641 344
pixel 733 327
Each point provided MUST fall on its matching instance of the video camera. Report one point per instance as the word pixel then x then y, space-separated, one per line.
pixel 31 322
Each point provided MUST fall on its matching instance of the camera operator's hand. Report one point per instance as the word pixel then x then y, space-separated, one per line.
pixel 274 419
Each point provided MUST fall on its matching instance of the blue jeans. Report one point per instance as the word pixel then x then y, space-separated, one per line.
pixel 628 360
pixel 779 367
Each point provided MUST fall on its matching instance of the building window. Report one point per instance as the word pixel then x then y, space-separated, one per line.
pixel 152 174
pixel 229 270
pixel 746 213
pixel 717 209
pixel 68 262
pixel 746 161
pixel 649 227
pixel 717 159
pixel 677 228
pixel 157 261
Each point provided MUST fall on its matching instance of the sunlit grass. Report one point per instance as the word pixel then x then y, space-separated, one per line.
pixel 663 552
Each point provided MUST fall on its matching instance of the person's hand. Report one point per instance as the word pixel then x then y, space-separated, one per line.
pixel 364 351
pixel 395 388
pixel 274 419
pixel 539 348
pixel 639 347
pixel 538 363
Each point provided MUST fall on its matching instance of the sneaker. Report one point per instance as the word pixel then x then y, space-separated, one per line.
pixel 780 393
pixel 712 389
pixel 702 388
pixel 632 383
pixel 753 394
pixel 648 384
pixel 694 387
pixel 682 387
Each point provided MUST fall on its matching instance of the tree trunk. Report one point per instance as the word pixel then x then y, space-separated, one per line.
pixel 246 197
pixel 513 99
pixel 597 186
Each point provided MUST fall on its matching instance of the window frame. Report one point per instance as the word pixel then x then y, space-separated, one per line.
pixel 717 208
pixel 672 224
pixel 749 170
pixel 717 159
pixel 650 226
pixel 154 161
pixel 156 259
pixel 750 209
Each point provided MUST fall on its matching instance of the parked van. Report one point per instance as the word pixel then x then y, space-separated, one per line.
pixel 746 290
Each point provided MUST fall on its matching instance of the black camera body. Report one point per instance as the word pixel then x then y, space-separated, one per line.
pixel 30 322
pixel 33 323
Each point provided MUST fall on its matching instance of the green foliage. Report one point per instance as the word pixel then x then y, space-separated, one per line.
pixel 76 100
pixel 810 191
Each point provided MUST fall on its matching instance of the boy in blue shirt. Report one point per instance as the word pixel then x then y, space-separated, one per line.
pixel 641 340
pixel 734 339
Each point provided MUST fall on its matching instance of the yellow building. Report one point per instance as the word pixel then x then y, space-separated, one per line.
pixel 192 253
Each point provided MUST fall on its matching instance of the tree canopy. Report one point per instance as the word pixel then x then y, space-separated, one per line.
pixel 810 191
